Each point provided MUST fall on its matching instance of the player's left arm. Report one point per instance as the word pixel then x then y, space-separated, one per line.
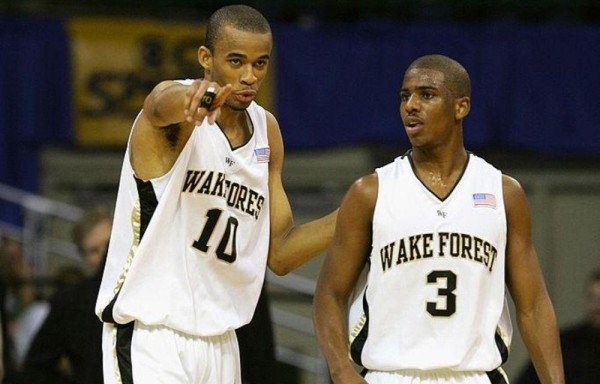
pixel 535 314
pixel 291 245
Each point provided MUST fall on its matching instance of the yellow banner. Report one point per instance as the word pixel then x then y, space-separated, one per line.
pixel 116 63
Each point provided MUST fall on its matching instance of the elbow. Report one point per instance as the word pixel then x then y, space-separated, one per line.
pixel 279 264
pixel 278 267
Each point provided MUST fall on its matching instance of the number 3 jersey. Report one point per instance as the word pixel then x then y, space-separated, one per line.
pixel 189 249
pixel 435 294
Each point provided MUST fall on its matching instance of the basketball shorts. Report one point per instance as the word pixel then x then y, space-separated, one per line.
pixel 140 354
pixel 410 376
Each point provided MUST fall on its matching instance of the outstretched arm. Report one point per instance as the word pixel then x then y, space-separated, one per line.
pixel 344 262
pixel 170 113
pixel 535 313
pixel 291 245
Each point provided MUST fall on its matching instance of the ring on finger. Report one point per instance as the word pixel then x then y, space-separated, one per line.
pixel 208 98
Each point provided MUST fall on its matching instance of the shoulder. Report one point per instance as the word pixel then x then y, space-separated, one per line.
pixel 512 190
pixel 366 184
pixel 275 141
pixel 272 123
pixel 358 205
pixel 364 191
pixel 515 203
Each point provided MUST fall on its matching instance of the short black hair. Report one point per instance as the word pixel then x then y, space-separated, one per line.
pixel 456 76
pixel 240 17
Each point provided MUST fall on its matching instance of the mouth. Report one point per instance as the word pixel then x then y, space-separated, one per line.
pixel 245 96
pixel 412 123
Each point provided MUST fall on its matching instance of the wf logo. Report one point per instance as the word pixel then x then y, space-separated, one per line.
pixel 441 213
pixel 229 161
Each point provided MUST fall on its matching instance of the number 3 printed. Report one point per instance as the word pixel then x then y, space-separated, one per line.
pixel 447 292
pixel 226 250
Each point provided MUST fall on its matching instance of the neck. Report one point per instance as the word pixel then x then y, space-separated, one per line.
pixel 440 163
pixel 235 124
pixel 231 119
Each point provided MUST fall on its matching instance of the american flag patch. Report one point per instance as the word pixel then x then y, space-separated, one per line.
pixel 484 200
pixel 262 154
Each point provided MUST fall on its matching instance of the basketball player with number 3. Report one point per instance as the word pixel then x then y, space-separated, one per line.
pixel 441 234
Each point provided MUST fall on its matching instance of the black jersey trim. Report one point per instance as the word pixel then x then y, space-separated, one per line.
pixel 358 344
pixel 502 347
pixel 252 128
pixel 412 165
pixel 148 204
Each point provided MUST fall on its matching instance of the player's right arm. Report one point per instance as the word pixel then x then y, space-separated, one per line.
pixel 534 310
pixel 342 266
pixel 170 113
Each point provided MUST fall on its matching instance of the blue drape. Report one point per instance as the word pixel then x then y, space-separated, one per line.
pixel 35 97
pixel 534 87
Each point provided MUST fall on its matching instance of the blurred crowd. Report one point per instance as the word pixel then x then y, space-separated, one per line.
pixel 49 328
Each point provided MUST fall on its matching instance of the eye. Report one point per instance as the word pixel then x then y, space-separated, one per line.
pixel 261 64
pixel 427 95
pixel 235 62
pixel 404 97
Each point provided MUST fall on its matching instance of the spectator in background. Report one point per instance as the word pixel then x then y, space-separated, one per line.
pixel 68 346
pixel 16 274
pixel 91 236
pixel 2 334
pixel 17 296
pixel 1 348
pixel 580 342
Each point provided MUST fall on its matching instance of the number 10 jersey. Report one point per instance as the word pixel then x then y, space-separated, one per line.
pixel 189 249
pixel 435 294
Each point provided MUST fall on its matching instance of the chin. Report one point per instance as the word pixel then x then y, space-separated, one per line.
pixel 238 106
pixel 414 141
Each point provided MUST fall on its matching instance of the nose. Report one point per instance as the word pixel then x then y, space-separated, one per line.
pixel 411 103
pixel 248 75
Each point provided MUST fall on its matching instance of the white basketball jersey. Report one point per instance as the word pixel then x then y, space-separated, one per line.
pixel 188 250
pixel 435 293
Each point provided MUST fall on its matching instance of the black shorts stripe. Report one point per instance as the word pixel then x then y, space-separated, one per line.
pixel 123 345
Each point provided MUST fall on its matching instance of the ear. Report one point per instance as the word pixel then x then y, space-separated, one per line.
pixel 205 59
pixel 462 107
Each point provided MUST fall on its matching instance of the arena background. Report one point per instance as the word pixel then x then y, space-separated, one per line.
pixel 73 76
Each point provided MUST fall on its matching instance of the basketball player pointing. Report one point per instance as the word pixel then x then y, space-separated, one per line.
pixel 443 232
pixel 200 213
